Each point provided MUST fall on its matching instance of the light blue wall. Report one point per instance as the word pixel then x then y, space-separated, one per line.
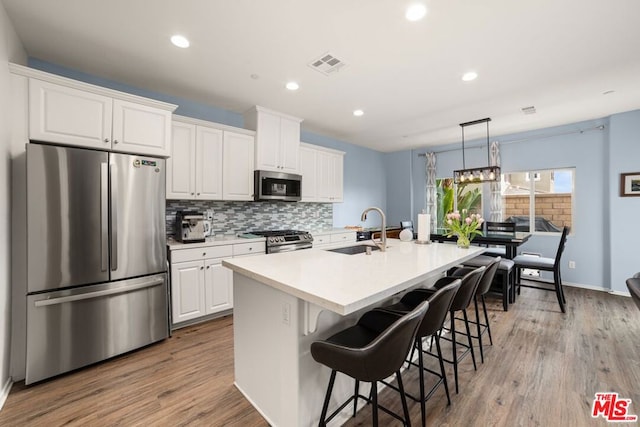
pixel 586 151
pixel 364 181
pixel 364 171
pixel 399 187
pixel 624 212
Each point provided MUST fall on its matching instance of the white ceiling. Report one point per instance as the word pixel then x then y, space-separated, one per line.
pixel 557 55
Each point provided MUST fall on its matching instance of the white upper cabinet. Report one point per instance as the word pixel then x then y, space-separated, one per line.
pixel 210 161
pixel 322 171
pixel 277 139
pixel 308 170
pixel 237 166
pixel 79 114
pixel 181 166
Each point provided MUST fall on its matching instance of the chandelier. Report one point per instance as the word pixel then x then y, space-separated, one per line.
pixel 474 175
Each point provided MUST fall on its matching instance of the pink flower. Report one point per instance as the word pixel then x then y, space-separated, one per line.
pixel 468 221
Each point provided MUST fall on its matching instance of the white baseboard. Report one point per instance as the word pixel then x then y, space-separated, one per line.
pixel 4 393
pixel 597 288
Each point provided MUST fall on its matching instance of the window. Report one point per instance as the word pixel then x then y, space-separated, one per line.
pixel 467 197
pixel 541 201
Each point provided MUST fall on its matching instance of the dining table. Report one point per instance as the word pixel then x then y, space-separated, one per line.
pixel 510 241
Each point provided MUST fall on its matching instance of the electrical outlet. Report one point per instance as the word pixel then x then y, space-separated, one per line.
pixel 209 214
pixel 572 264
pixel 286 313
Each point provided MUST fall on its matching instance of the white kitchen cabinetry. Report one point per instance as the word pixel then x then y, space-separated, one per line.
pixel 200 285
pixel 335 238
pixel 210 161
pixel 92 117
pixel 277 139
pixel 237 166
pixel 322 171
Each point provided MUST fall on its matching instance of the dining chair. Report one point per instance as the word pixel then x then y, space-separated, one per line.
pixel 544 264
pixel 506 228
pixel 634 288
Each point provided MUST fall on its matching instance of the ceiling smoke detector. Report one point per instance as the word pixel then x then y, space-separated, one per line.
pixel 529 110
pixel 326 64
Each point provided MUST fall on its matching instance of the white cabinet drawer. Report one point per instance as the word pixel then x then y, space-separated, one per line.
pixel 194 254
pixel 321 239
pixel 249 248
pixel 343 237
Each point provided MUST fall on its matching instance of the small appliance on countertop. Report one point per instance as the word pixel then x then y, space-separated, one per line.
pixel 190 227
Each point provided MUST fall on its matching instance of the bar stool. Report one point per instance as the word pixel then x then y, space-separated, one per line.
pixel 483 288
pixel 470 279
pixel 370 351
pixel 507 275
pixel 439 305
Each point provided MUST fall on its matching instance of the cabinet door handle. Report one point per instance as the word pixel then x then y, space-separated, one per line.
pixel 208 267
pixel 106 140
pixel 115 141
pixel 204 254
pixel 192 194
pixel 201 268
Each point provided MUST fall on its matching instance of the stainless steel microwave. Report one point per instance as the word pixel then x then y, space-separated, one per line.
pixel 277 186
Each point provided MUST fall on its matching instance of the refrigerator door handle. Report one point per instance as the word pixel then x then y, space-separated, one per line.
pixel 114 217
pixel 104 216
pixel 90 295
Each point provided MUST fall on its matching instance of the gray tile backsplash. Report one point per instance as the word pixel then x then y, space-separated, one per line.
pixel 239 217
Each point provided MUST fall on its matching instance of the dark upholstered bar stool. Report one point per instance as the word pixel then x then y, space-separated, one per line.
pixel 470 279
pixel 439 305
pixel 506 271
pixel 545 264
pixel 634 288
pixel 370 351
pixel 483 288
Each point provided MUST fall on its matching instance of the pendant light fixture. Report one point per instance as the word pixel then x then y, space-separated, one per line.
pixel 475 175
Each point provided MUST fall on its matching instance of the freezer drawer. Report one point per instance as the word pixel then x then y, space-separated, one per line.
pixel 70 329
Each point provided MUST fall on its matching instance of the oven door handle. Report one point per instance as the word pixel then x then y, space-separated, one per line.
pixel 288 248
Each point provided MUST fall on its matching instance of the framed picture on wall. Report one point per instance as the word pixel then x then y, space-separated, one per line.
pixel 630 184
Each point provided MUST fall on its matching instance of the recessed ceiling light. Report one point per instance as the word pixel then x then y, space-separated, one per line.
pixel 180 41
pixel 416 12
pixel 471 75
pixel 292 86
pixel 358 113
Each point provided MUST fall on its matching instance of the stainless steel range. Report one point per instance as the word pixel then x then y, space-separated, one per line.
pixel 286 240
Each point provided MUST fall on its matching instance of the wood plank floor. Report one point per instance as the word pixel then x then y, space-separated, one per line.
pixel 543 370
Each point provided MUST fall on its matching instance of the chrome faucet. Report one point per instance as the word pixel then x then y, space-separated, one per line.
pixel 383 233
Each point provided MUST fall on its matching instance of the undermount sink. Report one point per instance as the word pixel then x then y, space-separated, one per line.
pixel 353 250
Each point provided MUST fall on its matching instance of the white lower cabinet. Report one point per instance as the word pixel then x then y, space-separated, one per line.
pixel 218 287
pixel 331 239
pixel 200 285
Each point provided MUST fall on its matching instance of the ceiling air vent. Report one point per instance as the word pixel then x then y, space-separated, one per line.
pixel 529 110
pixel 326 64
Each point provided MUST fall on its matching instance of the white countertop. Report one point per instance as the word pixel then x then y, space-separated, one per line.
pixel 221 239
pixel 346 283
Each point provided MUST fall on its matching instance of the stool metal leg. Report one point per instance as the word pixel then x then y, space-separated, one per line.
pixel 374 401
pixel 442 371
pixel 478 329
pixel 325 405
pixel 403 398
pixel 486 319
pixel 466 324
pixel 423 409
pixel 355 398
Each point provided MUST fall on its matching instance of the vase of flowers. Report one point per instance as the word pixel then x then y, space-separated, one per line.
pixel 464 227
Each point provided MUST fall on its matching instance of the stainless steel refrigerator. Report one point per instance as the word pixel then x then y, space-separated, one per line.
pixel 96 247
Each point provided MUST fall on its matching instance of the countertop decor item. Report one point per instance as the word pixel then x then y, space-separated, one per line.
pixel 464 227
pixel 406 235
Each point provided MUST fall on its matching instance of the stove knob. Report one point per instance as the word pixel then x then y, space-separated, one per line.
pixel 271 239
pixel 281 238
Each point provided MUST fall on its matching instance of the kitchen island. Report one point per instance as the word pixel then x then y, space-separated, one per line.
pixel 283 302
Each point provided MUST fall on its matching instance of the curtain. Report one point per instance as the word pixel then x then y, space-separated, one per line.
pixel 431 204
pixel 495 214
